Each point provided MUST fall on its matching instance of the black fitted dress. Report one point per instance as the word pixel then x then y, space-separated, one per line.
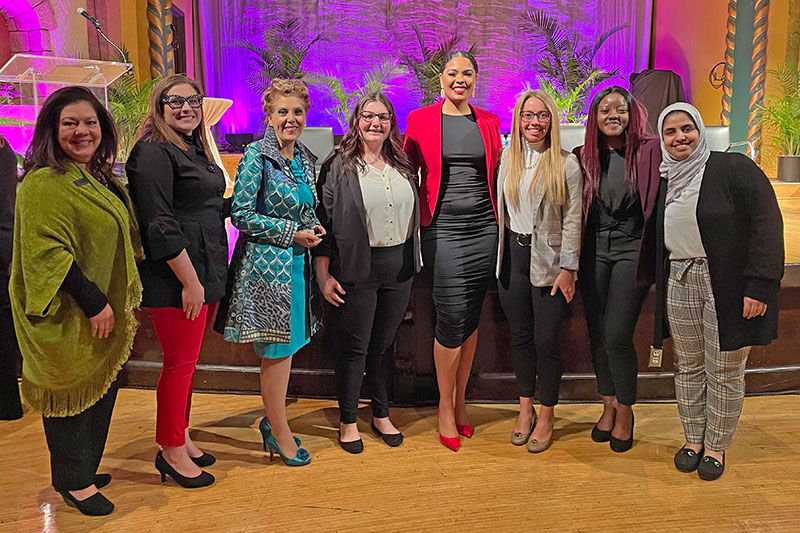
pixel 460 244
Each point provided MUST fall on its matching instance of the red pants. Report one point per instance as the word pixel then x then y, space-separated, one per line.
pixel 180 341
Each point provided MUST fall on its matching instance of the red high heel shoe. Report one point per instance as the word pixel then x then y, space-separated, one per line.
pixel 466 430
pixel 453 443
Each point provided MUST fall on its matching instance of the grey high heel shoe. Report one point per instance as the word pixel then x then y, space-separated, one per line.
pixel 519 439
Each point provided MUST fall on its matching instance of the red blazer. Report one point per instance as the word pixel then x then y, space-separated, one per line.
pixel 423 144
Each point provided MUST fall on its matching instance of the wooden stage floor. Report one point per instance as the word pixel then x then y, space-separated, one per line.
pixel 489 485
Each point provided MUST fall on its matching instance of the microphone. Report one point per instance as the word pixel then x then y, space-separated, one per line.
pixel 85 14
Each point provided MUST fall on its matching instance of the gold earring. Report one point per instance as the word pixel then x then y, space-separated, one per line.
pixel 441 92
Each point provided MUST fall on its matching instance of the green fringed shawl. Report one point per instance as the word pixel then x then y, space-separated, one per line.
pixel 61 218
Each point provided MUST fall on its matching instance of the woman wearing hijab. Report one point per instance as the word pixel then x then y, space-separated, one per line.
pixel 724 235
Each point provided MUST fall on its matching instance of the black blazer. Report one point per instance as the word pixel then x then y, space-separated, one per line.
pixel 742 232
pixel 341 213
pixel 179 205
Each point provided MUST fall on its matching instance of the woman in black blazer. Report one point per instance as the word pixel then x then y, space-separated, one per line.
pixel 723 234
pixel 366 262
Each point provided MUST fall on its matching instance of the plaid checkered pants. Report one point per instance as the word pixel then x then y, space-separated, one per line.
pixel 709 383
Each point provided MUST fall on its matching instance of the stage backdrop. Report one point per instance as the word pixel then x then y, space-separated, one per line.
pixel 361 34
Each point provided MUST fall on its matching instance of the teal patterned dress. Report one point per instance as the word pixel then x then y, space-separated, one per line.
pixel 298 312
pixel 269 296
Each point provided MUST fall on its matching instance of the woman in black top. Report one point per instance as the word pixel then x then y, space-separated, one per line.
pixel 10 405
pixel 178 191
pixel 620 164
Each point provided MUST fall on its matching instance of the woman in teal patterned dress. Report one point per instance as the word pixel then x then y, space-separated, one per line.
pixel 269 298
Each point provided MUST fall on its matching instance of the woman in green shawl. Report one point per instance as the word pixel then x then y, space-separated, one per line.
pixel 74 286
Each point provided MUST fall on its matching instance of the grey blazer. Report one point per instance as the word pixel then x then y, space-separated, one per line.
pixel 556 238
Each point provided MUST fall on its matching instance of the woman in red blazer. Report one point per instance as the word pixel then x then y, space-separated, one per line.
pixel 455 147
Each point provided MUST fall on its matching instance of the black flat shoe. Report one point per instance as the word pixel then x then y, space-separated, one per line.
pixel 686 460
pixel 204 460
pixel 598 435
pixel 355 446
pixel 619 445
pixel 710 469
pixel 392 439
pixel 94 505
pixel 203 480
pixel 101 480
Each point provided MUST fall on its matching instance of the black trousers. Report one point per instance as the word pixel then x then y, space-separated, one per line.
pixel 535 320
pixel 76 443
pixel 364 328
pixel 612 304
pixel 10 405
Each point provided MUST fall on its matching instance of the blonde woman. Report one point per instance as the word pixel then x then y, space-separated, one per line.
pixel 539 213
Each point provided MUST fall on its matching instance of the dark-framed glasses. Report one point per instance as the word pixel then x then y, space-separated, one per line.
pixel 527 116
pixel 175 101
pixel 369 116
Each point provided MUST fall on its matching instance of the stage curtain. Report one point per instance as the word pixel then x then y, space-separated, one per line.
pixel 629 49
pixel 361 35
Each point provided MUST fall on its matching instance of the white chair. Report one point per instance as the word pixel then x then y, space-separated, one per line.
pixel 318 139
pixel 719 140
pixel 572 136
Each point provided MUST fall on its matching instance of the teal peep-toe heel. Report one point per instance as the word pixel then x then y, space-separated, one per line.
pixel 301 459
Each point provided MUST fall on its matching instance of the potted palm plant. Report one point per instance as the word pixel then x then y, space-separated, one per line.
pixel 344 98
pixel 782 112
pixel 426 65
pixel 566 64
pixel 281 56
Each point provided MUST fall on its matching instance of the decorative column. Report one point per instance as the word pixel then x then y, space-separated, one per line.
pixel 758 74
pixel 727 83
pixel 159 29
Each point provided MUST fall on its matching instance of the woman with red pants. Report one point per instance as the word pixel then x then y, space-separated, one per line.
pixel 178 191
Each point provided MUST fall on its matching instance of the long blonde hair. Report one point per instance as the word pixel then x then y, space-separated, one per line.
pixel 155 127
pixel 550 167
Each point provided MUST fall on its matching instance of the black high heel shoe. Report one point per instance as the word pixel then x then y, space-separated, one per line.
pixel 599 435
pixel 203 480
pixel 204 460
pixel 94 505
pixel 101 480
pixel 619 445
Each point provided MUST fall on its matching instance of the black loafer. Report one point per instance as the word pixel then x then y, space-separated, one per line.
pixel 686 460
pixel 101 480
pixel 393 439
pixel 355 446
pixel 711 469
pixel 598 435
pixel 94 505
pixel 204 460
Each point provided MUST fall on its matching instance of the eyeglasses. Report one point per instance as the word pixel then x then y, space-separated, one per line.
pixel 369 116
pixel 175 101
pixel 527 116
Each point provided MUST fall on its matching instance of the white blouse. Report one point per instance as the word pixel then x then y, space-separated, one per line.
pixel 681 232
pixel 388 205
pixel 521 216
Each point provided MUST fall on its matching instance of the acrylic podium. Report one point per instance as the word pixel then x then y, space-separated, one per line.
pixel 37 76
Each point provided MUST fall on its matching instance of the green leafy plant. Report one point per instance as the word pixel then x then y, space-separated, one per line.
pixel 129 103
pixel 567 68
pixel 426 63
pixel 344 97
pixel 281 56
pixel 783 112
